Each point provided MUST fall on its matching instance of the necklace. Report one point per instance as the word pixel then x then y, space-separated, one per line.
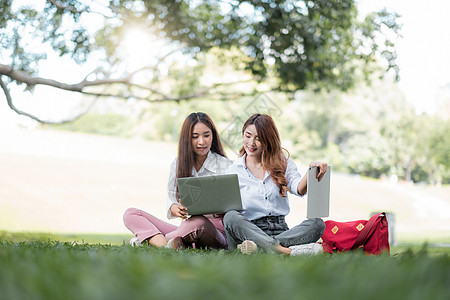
pixel 257 167
pixel 253 165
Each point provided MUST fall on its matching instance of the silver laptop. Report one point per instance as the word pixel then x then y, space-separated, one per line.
pixel 318 194
pixel 210 194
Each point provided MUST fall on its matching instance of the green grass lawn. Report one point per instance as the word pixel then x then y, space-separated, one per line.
pixel 45 267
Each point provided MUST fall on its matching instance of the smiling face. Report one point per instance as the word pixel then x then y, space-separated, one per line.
pixel 201 139
pixel 252 145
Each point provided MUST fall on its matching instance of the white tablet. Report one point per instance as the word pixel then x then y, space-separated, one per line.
pixel 318 194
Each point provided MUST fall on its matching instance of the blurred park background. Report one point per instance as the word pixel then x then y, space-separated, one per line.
pixel 94 94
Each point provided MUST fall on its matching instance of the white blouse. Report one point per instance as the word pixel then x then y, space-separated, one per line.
pixel 214 164
pixel 261 198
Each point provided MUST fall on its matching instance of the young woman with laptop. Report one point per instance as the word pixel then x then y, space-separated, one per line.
pixel 265 176
pixel 200 153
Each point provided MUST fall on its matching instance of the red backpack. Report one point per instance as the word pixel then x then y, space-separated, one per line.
pixel 372 235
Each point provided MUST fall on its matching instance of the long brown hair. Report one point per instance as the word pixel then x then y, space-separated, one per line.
pixel 186 154
pixel 273 158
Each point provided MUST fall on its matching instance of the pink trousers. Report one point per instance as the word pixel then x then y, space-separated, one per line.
pixel 199 231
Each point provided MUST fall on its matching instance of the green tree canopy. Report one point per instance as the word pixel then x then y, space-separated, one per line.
pixel 303 44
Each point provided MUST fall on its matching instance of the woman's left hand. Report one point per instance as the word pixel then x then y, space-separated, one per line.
pixel 321 167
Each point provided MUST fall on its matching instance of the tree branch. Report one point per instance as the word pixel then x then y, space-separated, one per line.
pixel 26 78
pixel 23 77
pixel 31 116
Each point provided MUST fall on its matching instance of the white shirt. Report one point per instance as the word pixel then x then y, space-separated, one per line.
pixel 261 198
pixel 213 164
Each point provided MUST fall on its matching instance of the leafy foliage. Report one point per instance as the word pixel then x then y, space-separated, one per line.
pixel 318 43
pixel 303 43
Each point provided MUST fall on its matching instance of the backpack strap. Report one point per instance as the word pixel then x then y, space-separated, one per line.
pixel 365 231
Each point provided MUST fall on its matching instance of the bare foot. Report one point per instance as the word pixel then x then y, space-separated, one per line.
pixel 157 240
pixel 283 250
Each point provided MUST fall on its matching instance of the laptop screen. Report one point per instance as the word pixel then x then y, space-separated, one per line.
pixel 210 194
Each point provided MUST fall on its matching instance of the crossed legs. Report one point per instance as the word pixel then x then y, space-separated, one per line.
pixel 198 230
pixel 239 228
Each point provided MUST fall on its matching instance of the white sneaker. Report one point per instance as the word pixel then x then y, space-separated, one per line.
pixel 134 242
pixel 306 249
pixel 247 247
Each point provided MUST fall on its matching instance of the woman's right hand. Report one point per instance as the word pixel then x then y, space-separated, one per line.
pixel 321 168
pixel 178 210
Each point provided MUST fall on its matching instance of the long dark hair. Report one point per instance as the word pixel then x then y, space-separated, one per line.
pixel 272 157
pixel 186 154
